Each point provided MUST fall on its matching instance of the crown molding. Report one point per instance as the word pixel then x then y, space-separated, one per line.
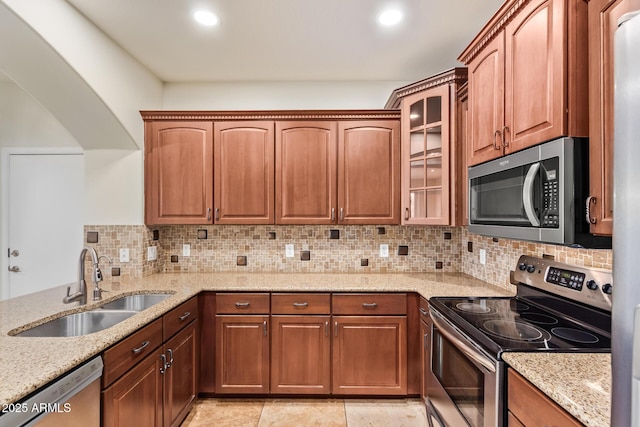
pixel 456 75
pixel 270 115
pixel 498 22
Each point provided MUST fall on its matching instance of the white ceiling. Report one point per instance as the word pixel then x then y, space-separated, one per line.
pixel 290 40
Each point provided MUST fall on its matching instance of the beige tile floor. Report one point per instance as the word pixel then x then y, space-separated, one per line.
pixel 307 412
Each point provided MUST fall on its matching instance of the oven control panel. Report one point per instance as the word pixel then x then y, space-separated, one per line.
pixel 592 286
pixel 566 278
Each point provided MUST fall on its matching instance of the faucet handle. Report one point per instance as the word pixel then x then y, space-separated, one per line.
pixel 68 290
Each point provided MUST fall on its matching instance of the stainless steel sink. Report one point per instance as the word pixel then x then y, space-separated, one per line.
pixel 77 324
pixel 137 302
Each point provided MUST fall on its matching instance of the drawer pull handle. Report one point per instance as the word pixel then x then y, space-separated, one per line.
pixel 369 305
pixel 185 315
pixel 335 329
pixel 423 311
pixel 300 304
pixel 243 304
pixel 144 345
pixel 326 329
pixel 264 326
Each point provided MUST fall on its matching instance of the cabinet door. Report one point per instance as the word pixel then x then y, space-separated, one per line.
pixel 306 176
pixel 207 315
pixel 369 355
pixel 242 354
pixel 178 172
pixel 461 174
pixel 486 103
pixel 426 157
pixel 180 376
pixel 369 172
pixel 244 173
pixel 136 398
pixel 535 97
pixel 300 355
pixel 603 22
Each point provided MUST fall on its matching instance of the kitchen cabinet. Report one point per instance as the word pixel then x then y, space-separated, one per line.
pixel 369 172
pixel 150 377
pixel 460 203
pixel 207 371
pixel 300 343
pixel 244 191
pixel 178 172
pixel 369 344
pixel 527 77
pixel 306 172
pixel 430 141
pixel 603 18
pixel 242 343
pixel 266 167
pixel 528 406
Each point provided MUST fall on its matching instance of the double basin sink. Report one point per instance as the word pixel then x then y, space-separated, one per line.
pixel 98 319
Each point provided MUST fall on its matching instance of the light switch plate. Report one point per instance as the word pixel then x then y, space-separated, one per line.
pixel 124 254
pixel 288 251
pixel 152 253
pixel 483 256
pixel 186 250
pixel 384 251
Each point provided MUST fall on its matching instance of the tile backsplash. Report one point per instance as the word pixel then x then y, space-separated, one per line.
pixel 347 249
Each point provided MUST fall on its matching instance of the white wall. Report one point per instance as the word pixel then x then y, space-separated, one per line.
pixel 278 95
pixel 114 187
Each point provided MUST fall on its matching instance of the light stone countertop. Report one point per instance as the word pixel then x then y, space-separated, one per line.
pixel 579 382
pixel 28 363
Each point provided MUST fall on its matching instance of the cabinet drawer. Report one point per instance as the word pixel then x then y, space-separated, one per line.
pixel 240 303
pixel 301 303
pixel 424 310
pixel 370 304
pixel 532 407
pixel 131 350
pixel 179 317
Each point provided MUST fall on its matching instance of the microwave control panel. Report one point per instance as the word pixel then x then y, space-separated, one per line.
pixel 551 199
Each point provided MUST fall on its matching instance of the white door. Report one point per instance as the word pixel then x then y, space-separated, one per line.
pixel 45 221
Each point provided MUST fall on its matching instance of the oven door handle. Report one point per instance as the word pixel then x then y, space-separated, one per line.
pixel 527 194
pixel 461 343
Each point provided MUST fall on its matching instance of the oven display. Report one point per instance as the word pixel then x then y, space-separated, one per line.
pixel 566 278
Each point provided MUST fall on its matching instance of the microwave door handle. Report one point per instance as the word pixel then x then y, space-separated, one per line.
pixel 527 194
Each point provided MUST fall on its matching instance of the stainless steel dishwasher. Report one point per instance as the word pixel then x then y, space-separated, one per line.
pixel 73 400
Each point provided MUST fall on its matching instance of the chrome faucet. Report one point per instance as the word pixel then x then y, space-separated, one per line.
pixel 96 277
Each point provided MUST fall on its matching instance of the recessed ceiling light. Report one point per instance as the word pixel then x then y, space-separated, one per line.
pixel 390 17
pixel 206 18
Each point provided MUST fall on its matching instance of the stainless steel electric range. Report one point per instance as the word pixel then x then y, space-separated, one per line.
pixel 558 307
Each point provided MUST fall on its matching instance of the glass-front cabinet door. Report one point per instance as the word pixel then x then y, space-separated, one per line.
pixel 425 157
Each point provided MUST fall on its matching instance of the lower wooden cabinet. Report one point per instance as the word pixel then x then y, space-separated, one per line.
pixel 150 383
pixel 300 355
pixel 242 354
pixel 528 406
pixel 369 355
pixel 136 398
pixel 180 375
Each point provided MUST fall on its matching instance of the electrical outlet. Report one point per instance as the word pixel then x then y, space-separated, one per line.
pixel 152 253
pixel 384 251
pixel 288 251
pixel 186 250
pixel 483 256
pixel 124 254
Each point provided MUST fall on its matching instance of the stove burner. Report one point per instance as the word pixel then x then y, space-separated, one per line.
pixel 575 335
pixel 540 319
pixel 513 330
pixel 519 306
pixel 471 307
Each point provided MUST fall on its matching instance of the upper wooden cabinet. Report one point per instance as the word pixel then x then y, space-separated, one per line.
pixel 244 172
pixel 527 77
pixel 430 163
pixel 178 172
pixel 306 172
pixel 369 172
pixel 603 21
pixel 290 167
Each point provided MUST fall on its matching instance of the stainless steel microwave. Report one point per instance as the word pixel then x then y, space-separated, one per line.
pixel 537 194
